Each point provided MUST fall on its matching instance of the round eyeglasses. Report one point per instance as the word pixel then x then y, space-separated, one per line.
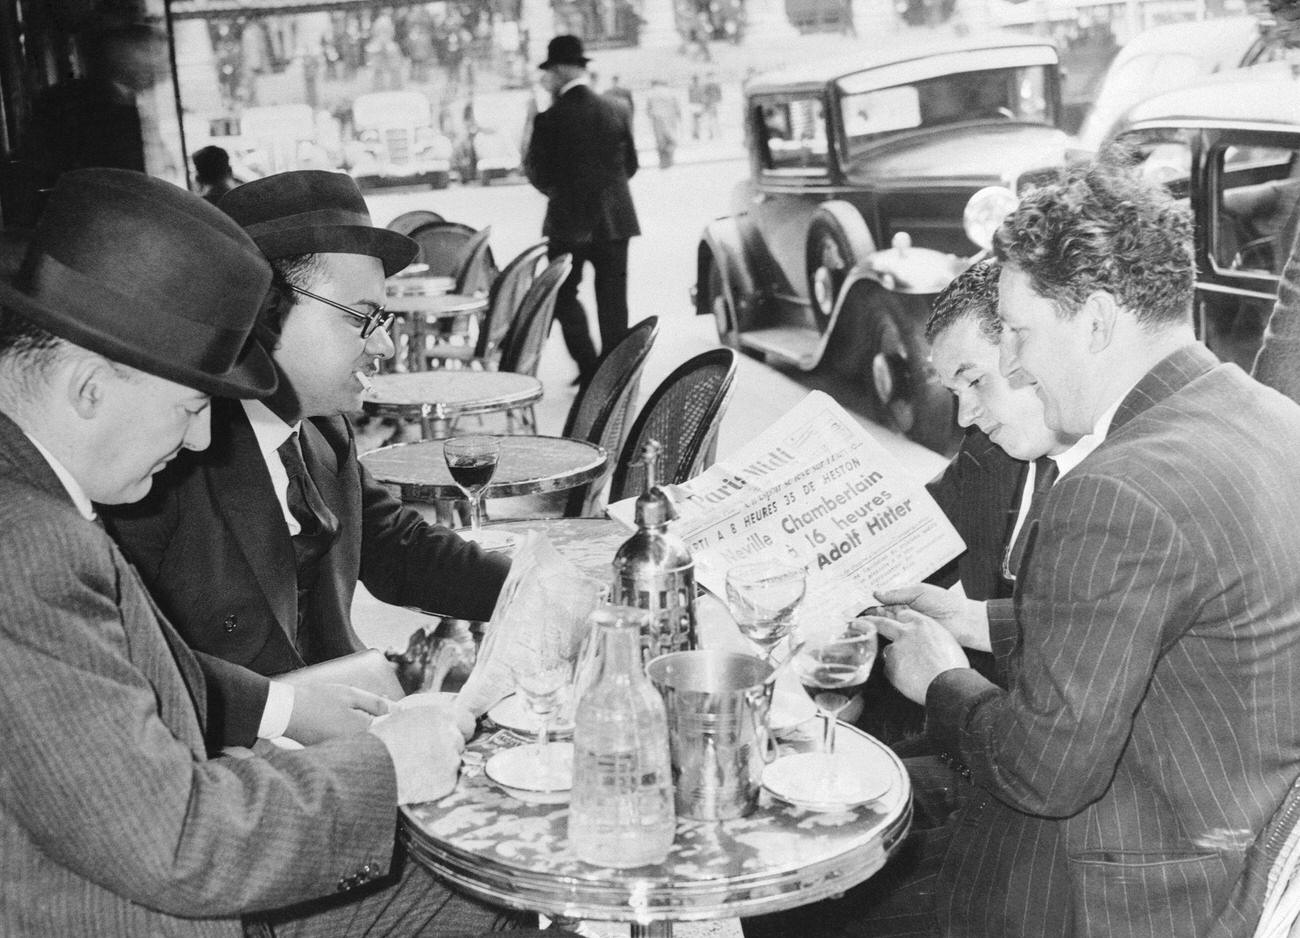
pixel 378 318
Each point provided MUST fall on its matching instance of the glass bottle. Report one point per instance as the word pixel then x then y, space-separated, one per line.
pixel 653 569
pixel 621 807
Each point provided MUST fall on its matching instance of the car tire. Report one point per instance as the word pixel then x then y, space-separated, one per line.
pixel 716 302
pixel 895 359
pixel 830 254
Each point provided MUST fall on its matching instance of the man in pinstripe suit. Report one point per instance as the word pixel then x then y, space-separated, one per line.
pixel 1149 726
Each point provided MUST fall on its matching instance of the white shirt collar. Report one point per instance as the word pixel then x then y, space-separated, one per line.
pixel 269 429
pixel 580 80
pixel 75 491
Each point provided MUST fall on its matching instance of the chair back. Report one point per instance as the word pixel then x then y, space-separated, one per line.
pixel 506 296
pixel 683 415
pixel 477 267
pixel 442 246
pixel 409 221
pixel 600 411
pixel 521 349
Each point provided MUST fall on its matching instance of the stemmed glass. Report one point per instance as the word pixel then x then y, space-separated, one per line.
pixel 832 665
pixel 763 596
pixel 472 461
pixel 543 677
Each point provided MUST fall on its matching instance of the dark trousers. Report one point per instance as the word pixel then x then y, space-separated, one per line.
pixel 608 261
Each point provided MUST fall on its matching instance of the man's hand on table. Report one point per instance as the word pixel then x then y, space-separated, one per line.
pixel 922 649
pixel 965 619
pixel 324 711
pixel 425 744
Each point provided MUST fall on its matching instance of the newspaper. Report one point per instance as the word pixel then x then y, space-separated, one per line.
pixel 818 488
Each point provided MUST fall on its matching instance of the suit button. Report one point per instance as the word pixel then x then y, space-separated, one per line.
pixel 230 623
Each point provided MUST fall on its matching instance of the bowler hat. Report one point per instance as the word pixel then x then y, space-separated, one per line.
pixel 564 50
pixel 150 276
pixel 311 211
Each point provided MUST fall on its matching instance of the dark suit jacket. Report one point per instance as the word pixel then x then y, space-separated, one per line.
pixel 1151 726
pixel 581 156
pixel 112 819
pixel 211 544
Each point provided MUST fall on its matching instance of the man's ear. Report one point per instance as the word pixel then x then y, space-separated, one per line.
pixel 1100 312
pixel 86 383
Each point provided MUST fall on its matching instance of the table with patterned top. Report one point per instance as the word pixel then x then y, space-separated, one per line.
pixel 516 853
pixel 436 398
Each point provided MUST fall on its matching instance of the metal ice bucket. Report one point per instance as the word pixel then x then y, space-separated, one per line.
pixel 717 703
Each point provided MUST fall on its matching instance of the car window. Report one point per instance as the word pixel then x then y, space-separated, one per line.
pixel 1003 94
pixel 794 136
pixel 1257 197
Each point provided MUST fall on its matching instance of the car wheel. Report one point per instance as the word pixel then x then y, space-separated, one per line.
pixel 897 373
pixel 715 300
pixel 830 258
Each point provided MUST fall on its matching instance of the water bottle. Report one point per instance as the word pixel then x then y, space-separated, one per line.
pixel 621 807
pixel 653 570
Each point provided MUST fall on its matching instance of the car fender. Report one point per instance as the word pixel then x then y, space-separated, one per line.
pixel 841 353
pixel 724 241
pixel 909 270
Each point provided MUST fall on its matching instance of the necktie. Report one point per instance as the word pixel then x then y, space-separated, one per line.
pixel 305 503
pixel 1045 473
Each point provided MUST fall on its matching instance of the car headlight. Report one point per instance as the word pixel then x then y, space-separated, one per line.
pixel 985 212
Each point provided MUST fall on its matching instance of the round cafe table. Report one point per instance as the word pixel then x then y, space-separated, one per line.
pixel 516 853
pixel 435 398
pixel 530 465
pixel 429 312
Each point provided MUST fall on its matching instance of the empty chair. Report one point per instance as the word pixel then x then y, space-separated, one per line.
pixel 442 246
pixel 600 411
pixel 409 221
pixel 683 415
pixel 477 268
pixel 505 297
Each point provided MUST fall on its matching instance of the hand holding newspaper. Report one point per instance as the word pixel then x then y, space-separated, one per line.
pixel 815 487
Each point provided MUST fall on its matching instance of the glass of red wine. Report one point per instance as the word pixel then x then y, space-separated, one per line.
pixel 472 461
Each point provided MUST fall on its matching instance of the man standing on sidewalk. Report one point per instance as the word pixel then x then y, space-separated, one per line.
pixel 580 156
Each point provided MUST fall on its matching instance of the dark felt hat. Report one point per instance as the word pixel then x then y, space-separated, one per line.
pixel 149 276
pixel 311 211
pixel 564 50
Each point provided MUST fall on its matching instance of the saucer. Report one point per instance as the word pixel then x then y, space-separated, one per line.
pixel 516 770
pixel 512 713
pixel 862 774
pixel 489 539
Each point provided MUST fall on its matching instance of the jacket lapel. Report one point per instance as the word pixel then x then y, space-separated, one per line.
pixel 242 489
pixel 1175 371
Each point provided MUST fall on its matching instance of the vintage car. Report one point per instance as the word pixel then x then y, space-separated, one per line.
pixel 1229 145
pixel 857 213
pixel 396 142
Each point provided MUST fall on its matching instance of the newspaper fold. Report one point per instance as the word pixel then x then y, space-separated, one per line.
pixel 816 487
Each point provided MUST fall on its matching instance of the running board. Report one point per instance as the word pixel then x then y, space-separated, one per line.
pixel 800 346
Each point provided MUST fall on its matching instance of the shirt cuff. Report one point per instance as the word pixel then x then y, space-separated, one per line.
pixel 278 710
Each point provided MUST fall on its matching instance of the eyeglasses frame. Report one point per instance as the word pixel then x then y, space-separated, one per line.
pixel 379 318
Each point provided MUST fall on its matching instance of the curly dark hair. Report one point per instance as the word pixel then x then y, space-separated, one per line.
pixel 1102 227
pixel 974 295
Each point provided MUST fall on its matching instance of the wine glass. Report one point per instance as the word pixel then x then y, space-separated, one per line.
pixel 763 596
pixel 472 460
pixel 832 665
pixel 543 677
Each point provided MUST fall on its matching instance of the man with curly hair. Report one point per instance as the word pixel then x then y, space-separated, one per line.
pixel 1149 729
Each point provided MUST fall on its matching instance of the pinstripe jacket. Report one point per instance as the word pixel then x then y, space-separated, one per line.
pixel 112 820
pixel 1151 724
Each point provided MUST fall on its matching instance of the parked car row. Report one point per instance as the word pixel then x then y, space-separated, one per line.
pixel 873 183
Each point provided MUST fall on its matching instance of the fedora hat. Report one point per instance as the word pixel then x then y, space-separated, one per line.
pixel 150 276
pixel 311 211
pixel 564 50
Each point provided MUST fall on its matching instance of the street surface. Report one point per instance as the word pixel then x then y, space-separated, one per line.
pixel 674 205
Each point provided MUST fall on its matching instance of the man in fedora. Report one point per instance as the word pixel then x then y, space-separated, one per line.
pixel 254 548
pixel 132 306
pixel 580 156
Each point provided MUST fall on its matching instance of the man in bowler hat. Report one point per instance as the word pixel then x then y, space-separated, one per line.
pixel 580 156
pixel 254 548
pixel 133 305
